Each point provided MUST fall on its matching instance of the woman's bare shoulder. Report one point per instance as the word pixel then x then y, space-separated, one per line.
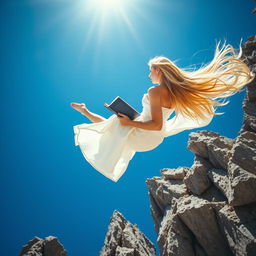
pixel 153 89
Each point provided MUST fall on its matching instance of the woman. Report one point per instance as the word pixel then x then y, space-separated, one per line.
pixel 109 144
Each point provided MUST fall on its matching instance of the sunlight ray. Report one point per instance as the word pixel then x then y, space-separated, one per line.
pixel 132 30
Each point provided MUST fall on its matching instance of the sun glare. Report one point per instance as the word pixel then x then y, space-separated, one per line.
pixel 107 5
pixel 99 20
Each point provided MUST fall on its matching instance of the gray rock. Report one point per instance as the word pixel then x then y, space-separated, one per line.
pixel 213 194
pixel 50 246
pixel 239 226
pixel 250 93
pixel 123 251
pixel 175 174
pixel 196 178
pixel 243 152
pixel 174 237
pixel 212 146
pixel 249 108
pixel 249 56
pixel 248 47
pixel 220 179
pixel 53 247
pixel 156 211
pixel 123 238
pixel 163 193
pixel 175 243
pixel 26 248
pixel 242 188
pixel 199 216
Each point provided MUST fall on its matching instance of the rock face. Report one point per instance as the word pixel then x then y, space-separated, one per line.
pixel 50 246
pixel 207 209
pixel 125 239
pixel 210 207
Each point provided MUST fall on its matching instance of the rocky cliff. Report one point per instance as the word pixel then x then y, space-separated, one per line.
pixel 207 209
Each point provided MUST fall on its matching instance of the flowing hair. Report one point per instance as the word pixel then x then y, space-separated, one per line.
pixel 194 93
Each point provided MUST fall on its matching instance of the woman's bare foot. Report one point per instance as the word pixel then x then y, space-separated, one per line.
pixel 79 107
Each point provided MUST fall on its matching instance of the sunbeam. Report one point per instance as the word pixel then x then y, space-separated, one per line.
pixel 97 21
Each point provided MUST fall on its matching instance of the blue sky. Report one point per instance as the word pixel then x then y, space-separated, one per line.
pixel 57 52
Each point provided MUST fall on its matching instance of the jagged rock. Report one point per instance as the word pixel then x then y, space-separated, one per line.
pixel 239 183
pixel 199 216
pixel 156 211
pixel 249 103
pixel 175 174
pixel 250 93
pixel 196 178
pixel 249 114
pixel 220 179
pixel 163 193
pixel 123 238
pixel 174 237
pixel 243 152
pixel 242 186
pixel 248 47
pixel 34 247
pixel 239 226
pixel 50 246
pixel 212 146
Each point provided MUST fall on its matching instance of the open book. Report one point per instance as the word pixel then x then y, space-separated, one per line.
pixel 121 106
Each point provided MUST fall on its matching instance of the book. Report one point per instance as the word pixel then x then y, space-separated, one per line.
pixel 121 106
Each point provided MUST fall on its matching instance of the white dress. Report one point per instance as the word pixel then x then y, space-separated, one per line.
pixel 108 146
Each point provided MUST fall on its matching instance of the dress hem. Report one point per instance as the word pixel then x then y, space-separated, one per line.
pixel 78 144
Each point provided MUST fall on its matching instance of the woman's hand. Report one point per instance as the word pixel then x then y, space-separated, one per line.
pixel 124 120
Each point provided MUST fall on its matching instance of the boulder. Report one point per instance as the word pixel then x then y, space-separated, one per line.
pixel 50 246
pixel 123 238
pixel 212 146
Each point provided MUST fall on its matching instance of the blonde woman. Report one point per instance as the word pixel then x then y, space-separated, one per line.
pixel 109 144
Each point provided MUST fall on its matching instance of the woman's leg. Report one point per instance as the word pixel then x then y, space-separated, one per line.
pixel 95 118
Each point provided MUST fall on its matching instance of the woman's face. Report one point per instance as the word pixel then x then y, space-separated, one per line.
pixel 154 75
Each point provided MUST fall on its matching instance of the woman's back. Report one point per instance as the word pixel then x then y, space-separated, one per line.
pixel 165 96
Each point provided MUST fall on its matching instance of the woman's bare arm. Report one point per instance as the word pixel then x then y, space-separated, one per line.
pixel 156 112
pixel 147 125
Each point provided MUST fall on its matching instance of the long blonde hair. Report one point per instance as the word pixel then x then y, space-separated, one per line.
pixel 194 93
